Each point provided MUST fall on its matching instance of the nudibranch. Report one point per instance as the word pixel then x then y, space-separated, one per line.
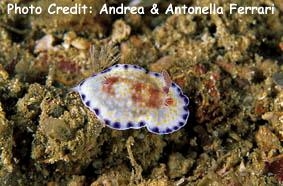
pixel 127 96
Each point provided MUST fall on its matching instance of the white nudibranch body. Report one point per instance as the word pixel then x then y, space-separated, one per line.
pixel 127 96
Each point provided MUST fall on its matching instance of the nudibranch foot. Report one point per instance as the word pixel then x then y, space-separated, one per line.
pixel 127 96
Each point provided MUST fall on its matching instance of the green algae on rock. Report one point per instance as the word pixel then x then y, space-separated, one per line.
pixel 6 143
pixel 71 134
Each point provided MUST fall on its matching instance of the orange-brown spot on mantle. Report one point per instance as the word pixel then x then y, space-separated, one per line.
pixel 155 98
pixel 108 85
pixel 169 101
pixel 137 92
pixel 138 87
pixel 147 95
